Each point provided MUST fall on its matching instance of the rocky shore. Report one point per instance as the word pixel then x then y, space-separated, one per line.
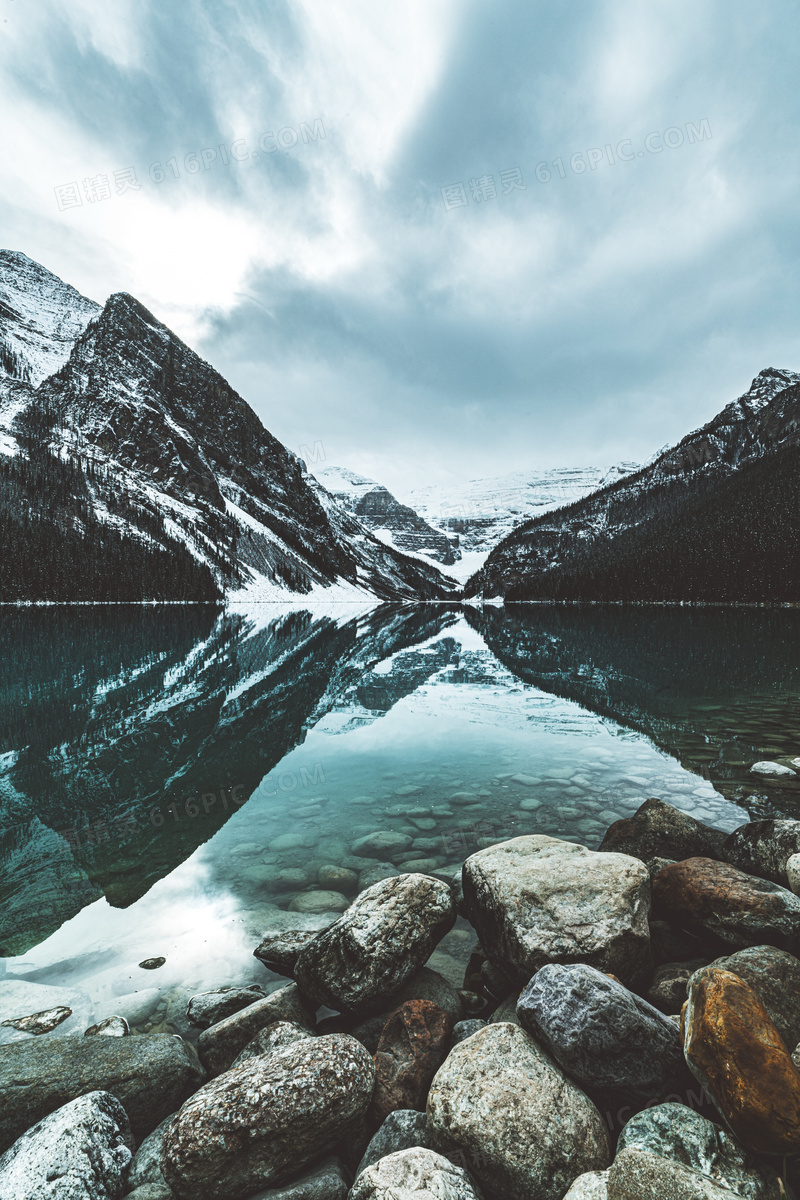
pixel 628 1027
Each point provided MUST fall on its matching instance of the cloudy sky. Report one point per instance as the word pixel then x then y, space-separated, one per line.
pixel 613 257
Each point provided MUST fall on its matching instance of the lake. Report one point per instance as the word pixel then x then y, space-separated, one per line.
pixel 175 781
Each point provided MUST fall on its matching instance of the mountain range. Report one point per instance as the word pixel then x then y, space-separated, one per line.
pixel 131 470
pixel 714 519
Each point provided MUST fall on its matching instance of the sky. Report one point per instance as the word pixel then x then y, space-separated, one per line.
pixel 428 241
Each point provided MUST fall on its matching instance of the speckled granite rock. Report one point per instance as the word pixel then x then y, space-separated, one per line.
pixel 657 830
pixel 79 1152
pixel 219 1045
pixel 362 961
pixel 260 1123
pixel 535 900
pixel 274 1037
pixel 763 848
pixel 527 1129
pixel 415 1173
pixel 326 1181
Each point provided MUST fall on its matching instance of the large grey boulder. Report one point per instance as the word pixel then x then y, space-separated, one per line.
pixel 274 1037
pixel 763 848
pixel 362 961
pixel 606 1038
pixel 536 900
pixel 262 1122
pixel 146 1165
pixel 680 1135
pixel 402 1129
pixel 526 1129
pixel 151 1075
pixel 657 830
pixel 207 1008
pixel 220 1044
pixel 79 1152
pixel 415 1173
pixel 637 1175
pixel 774 976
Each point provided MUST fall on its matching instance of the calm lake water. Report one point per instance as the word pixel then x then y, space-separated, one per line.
pixel 172 780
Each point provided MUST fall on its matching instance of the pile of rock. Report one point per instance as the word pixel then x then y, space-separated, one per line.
pixel 638 1009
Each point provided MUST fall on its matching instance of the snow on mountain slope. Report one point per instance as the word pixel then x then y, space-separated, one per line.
pixel 484 511
pixel 41 318
pixel 168 453
pixel 395 524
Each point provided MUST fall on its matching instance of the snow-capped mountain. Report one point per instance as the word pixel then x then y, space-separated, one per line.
pixel 716 517
pixel 394 523
pixel 133 470
pixel 484 511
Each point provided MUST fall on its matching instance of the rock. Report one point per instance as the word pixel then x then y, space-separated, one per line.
pixel 774 976
pixel 792 869
pixel 411 1049
pixel 150 1191
pixel 373 875
pixel 319 902
pixel 535 900
pixel 592 1186
pixel 368 1032
pixel 414 1172
pixel 135 1007
pixel 326 1181
pixel 763 848
pixel 430 985
pixel 472 1003
pixel 206 1008
pixel 274 1037
pixel 112 1027
pixel 733 1049
pixel 382 843
pixel 146 1165
pixel 80 1150
pixel 20 998
pixel 495 982
pixel 152 964
pixel 263 1121
pixel 339 879
pixel 765 767
pixel 402 1129
pixel 636 1175
pixel 363 960
pixel 679 1134
pixel 608 1040
pixel 667 989
pixel 421 866
pixel 501 1098
pixel 739 909
pixel 279 949
pixel 150 1074
pixel 506 1012
pixel 464 1029
pixel 219 1045
pixel 284 879
pixel 657 830
pixel 40 1022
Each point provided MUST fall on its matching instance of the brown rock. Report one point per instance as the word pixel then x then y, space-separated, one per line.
pixel 657 830
pixel 739 909
pixel 411 1049
pixel 733 1049
pixel 774 976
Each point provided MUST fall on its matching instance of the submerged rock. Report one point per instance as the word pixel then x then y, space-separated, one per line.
pixel 260 1123
pixel 535 900
pixel 83 1149
pixel 362 961
pixel 527 1130
pixel 150 1074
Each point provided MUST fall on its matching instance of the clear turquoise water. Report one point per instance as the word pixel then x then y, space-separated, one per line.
pixel 161 770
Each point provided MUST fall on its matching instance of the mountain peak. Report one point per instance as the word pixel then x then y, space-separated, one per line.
pixel 768 383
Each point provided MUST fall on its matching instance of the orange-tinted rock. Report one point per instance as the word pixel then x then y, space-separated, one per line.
pixel 733 1048
pixel 739 909
pixel 411 1049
